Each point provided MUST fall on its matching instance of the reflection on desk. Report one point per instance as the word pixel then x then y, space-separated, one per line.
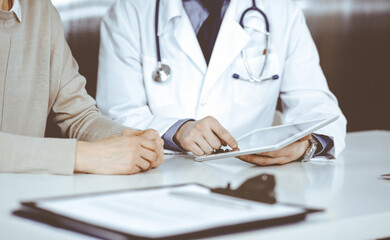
pixel 349 188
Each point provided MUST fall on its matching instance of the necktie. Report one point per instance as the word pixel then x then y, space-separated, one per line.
pixel 209 30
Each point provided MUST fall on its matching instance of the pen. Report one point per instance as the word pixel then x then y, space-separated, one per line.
pixel 225 201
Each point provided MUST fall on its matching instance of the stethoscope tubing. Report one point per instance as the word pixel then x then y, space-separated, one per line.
pixel 156 32
pixel 254 78
pixel 255 8
pixel 162 72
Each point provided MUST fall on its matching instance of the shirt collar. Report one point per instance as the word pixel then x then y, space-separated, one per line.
pixel 17 10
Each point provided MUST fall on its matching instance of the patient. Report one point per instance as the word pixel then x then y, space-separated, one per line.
pixel 37 75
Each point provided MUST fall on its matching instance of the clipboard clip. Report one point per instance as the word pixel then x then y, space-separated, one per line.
pixel 260 188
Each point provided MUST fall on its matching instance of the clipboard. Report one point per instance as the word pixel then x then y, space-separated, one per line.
pixel 41 211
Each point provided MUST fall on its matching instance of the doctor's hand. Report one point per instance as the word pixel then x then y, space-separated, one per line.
pixel 203 136
pixel 133 152
pixel 285 155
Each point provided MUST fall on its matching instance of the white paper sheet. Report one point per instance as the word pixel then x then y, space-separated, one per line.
pixel 165 211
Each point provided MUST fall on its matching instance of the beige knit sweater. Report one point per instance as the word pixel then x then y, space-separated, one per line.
pixel 39 74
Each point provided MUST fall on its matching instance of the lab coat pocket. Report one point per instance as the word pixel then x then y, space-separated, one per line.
pixel 256 93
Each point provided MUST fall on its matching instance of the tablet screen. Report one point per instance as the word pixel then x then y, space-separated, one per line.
pixel 274 135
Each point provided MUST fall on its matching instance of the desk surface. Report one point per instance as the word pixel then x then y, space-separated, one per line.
pixel 356 200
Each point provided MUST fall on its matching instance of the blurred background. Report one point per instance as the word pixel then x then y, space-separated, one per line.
pixel 352 37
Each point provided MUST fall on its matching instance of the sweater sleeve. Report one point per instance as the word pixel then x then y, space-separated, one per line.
pixel 36 155
pixel 75 111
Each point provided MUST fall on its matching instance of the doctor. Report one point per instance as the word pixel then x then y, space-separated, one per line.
pixel 222 72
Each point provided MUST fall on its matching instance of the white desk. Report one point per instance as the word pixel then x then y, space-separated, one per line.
pixel 357 202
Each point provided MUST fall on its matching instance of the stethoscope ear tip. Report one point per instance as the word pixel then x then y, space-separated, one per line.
pixel 275 77
pixel 236 76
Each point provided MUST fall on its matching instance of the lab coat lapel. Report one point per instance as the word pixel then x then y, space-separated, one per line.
pixel 231 39
pixel 173 12
pixel 186 38
pixel 183 31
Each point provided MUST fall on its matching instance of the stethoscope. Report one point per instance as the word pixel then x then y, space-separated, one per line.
pixel 253 77
pixel 163 72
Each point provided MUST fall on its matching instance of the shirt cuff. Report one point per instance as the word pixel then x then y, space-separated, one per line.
pixel 325 143
pixel 168 135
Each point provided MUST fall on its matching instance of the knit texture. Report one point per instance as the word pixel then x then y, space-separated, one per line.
pixel 38 74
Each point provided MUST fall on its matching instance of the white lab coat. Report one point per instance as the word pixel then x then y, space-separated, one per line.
pixel 127 93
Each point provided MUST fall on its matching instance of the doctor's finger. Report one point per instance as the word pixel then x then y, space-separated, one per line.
pixel 264 160
pixel 195 149
pixel 204 145
pixel 213 140
pixel 286 151
pixel 305 138
pixel 294 150
pixel 225 136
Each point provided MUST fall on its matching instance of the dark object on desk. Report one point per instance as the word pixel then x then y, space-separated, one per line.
pixel 385 176
pixel 260 188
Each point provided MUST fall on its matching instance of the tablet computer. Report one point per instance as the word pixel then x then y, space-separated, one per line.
pixel 270 139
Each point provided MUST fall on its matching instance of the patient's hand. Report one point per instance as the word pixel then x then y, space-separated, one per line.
pixel 153 136
pixel 133 152
pixel 285 155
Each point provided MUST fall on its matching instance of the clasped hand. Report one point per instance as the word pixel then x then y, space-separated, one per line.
pixel 133 152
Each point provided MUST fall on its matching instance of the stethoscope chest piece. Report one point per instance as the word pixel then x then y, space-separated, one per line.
pixel 162 73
